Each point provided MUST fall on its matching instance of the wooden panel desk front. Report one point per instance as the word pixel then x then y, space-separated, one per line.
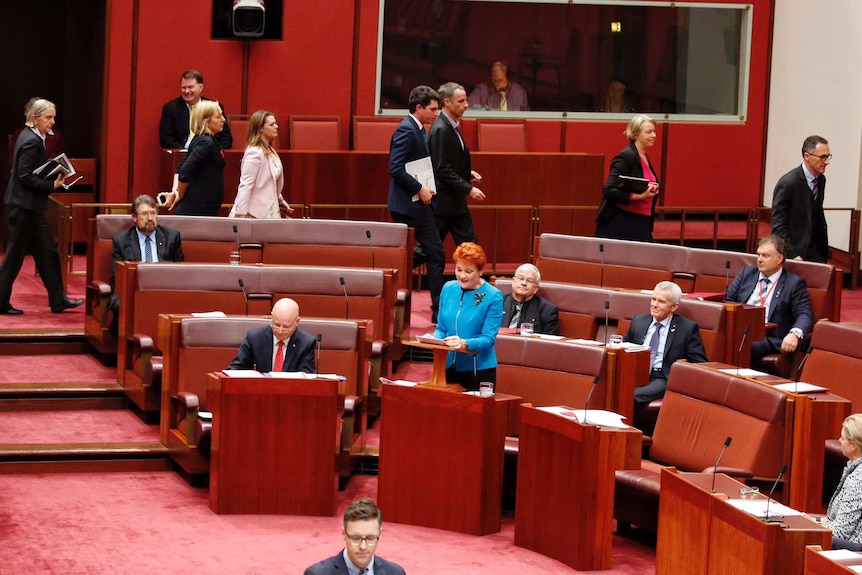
pixel 274 443
pixel 700 532
pixel 565 497
pixel 816 418
pixel 441 458
pixel 817 564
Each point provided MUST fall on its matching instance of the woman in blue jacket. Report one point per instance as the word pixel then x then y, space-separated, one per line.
pixel 468 319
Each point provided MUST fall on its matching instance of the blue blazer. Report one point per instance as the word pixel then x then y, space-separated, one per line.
pixel 337 566
pixel 475 316
pixel 790 304
pixel 256 351
pixel 407 145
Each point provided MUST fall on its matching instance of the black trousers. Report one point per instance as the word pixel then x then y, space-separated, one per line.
pixel 459 225
pixel 428 237
pixel 470 381
pixel 29 233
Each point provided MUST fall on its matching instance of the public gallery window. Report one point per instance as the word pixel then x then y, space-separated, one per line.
pixel 572 58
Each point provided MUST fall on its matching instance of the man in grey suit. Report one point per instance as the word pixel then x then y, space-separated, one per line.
pixel 363 524
pixel 797 204
pixel 451 159
pixel 670 337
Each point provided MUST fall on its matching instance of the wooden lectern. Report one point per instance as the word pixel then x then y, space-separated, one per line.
pixel 438 374
pixel 274 443
pixel 565 498
pixel 700 532
pixel 441 458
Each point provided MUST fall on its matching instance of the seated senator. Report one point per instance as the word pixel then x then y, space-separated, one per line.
pixel 524 306
pixel 844 513
pixel 280 346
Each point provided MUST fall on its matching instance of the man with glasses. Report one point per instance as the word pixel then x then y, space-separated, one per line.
pixel 363 524
pixel 524 306
pixel 797 204
pixel 279 346
pixel 146 241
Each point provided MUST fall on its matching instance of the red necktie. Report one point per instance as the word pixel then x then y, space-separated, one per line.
pixel 279 357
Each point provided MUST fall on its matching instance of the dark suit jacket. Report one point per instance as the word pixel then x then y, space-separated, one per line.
pixel 790 304
pixel 798 217
pixel 451 168
pixel 26 190
pixel 337 566
pixel 683 340
pixel 169 247
pixel 626 163
pixel 538 311
pixel 407 145
pixel 174 126
pixel 256 351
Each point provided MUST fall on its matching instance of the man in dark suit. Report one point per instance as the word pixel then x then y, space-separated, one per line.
pixel 27 198
pixel 797 204
pixel 363 524
pixel 451 159
pixel 670 337
pixel 174 125
pixel 524 306
pixel 409 200
pixel 280 346
pixel 784 295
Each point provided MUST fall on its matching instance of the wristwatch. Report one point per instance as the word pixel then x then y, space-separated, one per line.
pixel 797 332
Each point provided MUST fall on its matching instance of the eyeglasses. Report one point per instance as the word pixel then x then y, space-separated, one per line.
pixel 370 540
pixel 282 327
pixel 523 278
pixel 823 158
pixel 147 214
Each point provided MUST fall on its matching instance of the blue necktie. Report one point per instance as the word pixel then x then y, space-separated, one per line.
pixel 653 344
pixel 148 249
pixel 814 188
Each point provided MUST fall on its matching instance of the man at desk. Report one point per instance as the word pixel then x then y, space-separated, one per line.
pixel 668 335
pixel 524 306
pixel 279 346
pixel 782 293
pixel 499 93
pixel 174 129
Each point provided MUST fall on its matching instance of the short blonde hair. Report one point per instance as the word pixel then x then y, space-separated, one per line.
pixel 636 125
pixel 204 110
pixel 852 428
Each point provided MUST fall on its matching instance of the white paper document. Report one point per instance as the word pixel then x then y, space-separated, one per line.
pixel 840 554
pixel 423 172
pixel 597 417
pixel 242 373
pixel 428 338
pixel 402 382
pixel 757 507
pixel 743 372
pixel 585 341
pixel 548 336
pixel 801 387
pixel 208 314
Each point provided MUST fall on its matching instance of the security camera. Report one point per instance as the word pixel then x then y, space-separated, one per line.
pixel 248 18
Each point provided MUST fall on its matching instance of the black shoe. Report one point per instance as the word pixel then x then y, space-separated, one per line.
pixel 9 310
pixel 67 304
pixel 419 257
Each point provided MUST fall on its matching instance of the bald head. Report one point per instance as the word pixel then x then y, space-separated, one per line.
pixel 285 318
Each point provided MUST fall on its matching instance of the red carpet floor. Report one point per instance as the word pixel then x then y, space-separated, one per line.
pixel 83 426
pixel 57 367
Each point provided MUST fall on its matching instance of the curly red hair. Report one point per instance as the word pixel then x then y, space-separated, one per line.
pixel 470 253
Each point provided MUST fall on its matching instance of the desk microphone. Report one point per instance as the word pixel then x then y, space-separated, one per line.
pixel 717 461
pixel 799 367
pixel 777 518
pixel 346 299
pixel 244 295
pixel 726 278
pixel 236 236
pixel 370 243
pixel 317 353
pixel 602 269
pixel 745 331
pixel 590 395
pixel 607 329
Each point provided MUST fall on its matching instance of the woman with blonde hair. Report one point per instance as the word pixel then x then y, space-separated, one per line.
pixel 261 177
pixel 199 181
pixel 844 514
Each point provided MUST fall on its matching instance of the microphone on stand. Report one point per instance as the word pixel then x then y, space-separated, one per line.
pixel 370 243
pixel 607 331
pixel 799 367
pixel 236 236
pixel 346 299
pixel 745 331
pixel 602 269
pixel 717 461
pixel 244 295
pixel 726 278
pixel 776 518
pixel 317 353
pixel 589 396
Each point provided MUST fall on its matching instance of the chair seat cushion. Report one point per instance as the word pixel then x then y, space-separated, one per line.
pixel 646 479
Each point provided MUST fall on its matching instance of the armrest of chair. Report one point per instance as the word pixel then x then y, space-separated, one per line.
pixel 378 348
pixel 142 348
pixel 153 372
pixel 188 405
pixel 732 471
pixel 348 418
pixel 402 307
pixel 98 297
pixel 251 253
pixel 770 328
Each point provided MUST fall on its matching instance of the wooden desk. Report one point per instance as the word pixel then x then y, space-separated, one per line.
pixel 438 372
pixel 699 532
pixel 565 497
pixel 441 458
pixel 816 418
pixel 817 564
pixel 274 443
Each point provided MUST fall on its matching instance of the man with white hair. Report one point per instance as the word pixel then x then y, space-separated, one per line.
pixel 524 306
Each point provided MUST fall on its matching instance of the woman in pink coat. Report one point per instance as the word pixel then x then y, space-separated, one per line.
pixel 261 174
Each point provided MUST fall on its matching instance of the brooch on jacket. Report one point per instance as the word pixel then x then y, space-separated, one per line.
pixel 479 297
